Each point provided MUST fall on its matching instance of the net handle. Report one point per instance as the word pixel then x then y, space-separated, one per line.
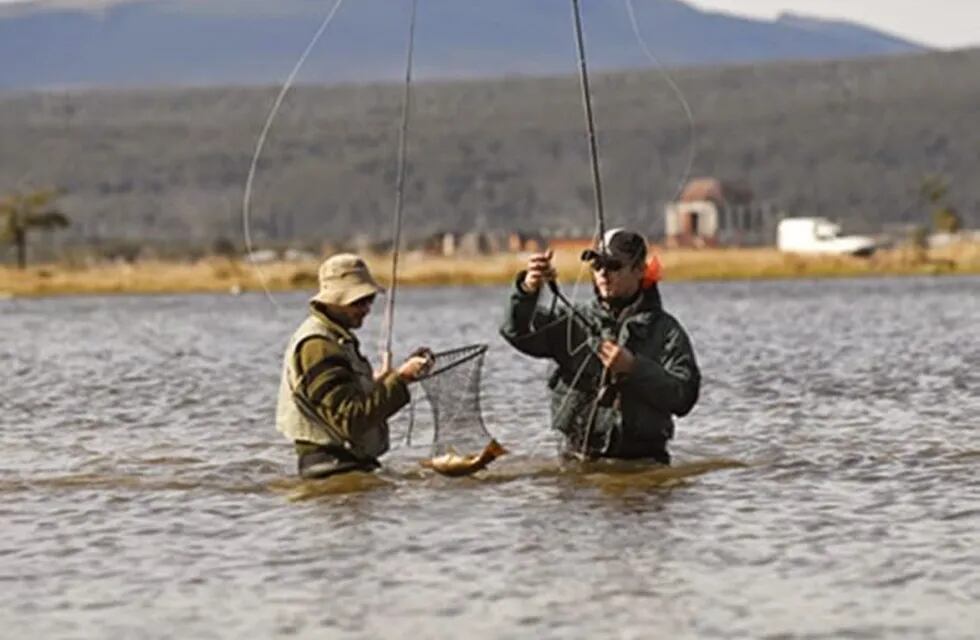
pixel 472 351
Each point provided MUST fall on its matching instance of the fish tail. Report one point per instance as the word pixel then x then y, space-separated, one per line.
pixel 494 449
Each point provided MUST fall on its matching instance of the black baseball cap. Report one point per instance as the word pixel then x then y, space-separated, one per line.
pixel 626 247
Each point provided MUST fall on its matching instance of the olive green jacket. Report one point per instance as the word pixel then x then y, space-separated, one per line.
pixel 324 367
pixel 632 418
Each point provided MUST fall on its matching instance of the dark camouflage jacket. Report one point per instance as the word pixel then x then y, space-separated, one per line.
pixel 633 415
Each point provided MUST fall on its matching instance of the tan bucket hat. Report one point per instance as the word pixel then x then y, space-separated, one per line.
pixel 345 278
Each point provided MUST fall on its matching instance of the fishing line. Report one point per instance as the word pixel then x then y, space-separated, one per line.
pixel 260 145
pixel 689 114
pixel 574 298
pixel 247 199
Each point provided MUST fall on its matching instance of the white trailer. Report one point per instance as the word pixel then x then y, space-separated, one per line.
pixel 819 235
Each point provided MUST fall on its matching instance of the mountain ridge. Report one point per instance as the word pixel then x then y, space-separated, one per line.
pixel 183 43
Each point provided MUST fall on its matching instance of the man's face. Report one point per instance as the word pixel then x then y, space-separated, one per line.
pixel 353 314
pixel 616 279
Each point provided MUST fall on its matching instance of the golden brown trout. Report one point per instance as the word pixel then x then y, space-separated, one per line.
pixel 455 465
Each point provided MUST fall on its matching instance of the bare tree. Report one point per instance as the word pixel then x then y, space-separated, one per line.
pixel 21 213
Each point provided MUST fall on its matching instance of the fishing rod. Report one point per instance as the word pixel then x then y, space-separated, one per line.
pixel 593 159
pixel 389 319
pixel 590 125
pixel 599 204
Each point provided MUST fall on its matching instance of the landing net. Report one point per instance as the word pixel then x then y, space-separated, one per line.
pixel 452 390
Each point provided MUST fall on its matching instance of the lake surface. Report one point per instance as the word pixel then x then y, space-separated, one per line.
pixel 144 492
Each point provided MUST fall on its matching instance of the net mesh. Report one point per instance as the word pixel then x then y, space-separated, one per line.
pixel 452 389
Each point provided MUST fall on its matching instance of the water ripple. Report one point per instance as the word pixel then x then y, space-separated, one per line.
pixel 825 486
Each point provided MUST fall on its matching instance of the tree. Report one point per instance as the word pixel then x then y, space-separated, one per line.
pixel 934 190
pixel 946 220
pixel 223 247
pixel 21 213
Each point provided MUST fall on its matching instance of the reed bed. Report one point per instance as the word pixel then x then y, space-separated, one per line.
pixel 235 276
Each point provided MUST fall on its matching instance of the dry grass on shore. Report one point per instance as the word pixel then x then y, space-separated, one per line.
pixel 224 275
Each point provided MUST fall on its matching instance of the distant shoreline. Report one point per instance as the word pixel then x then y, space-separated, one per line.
pixel 224 275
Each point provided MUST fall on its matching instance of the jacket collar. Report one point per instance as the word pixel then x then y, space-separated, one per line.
pixel 642 310
pixel 319 312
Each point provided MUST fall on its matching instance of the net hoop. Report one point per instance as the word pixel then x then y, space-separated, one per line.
pixel 466 354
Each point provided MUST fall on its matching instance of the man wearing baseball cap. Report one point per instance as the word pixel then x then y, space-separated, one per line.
pixel 624 367
pixel 331 404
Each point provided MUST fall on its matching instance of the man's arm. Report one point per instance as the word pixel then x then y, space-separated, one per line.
pixel 672 383
pixel 332 387
pixel 531 329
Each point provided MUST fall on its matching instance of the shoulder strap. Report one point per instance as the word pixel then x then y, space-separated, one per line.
pixel 308 376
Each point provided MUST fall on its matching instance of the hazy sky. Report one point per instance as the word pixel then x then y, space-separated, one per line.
pixel 940 23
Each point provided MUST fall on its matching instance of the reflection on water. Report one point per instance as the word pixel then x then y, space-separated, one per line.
pixel 615 477
pixel 825 486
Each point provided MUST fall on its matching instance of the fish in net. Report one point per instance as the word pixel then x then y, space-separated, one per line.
pixel 461 443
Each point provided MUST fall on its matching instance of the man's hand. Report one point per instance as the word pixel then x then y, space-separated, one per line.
pixel 616 358
pixel 539 271
pixel 414 368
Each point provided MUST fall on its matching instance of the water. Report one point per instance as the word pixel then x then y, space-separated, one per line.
pixel 145 493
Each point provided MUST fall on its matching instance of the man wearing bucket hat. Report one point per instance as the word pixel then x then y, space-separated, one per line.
pixel 331 404
pixel 624 366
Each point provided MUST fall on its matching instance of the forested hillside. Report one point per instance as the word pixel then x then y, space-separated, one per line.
pixel 850 140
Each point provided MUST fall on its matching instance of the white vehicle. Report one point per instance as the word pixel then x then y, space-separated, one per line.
pixel 819 235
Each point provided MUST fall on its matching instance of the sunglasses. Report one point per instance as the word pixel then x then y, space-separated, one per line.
pixel 366 301
pixel 609 265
